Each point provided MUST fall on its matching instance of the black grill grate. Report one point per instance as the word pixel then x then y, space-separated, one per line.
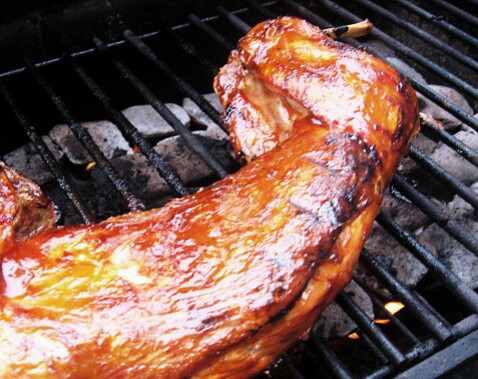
pixel 176 61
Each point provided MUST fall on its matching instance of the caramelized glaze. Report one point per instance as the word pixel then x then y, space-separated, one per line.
pixel 219 283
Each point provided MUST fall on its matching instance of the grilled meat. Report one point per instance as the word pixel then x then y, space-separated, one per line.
pixel 286 78
pixel 219 283
pixel 24 210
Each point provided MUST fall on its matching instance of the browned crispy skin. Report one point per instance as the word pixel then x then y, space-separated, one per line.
pixel 285 76
pixel 217 284
pixel 24 210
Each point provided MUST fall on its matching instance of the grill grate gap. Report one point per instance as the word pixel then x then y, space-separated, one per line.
pixel 441 217
pixel 431 130
pixel 444 176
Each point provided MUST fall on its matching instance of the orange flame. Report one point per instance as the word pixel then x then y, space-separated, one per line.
pixel 353 336
pixel 392 306
pixel 90 166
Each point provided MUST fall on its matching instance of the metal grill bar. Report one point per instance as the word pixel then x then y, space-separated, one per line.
pixel 438 21
pixel 382 372
pixel 428 319
pixel 433 311
pixel 464 191
pixel 440 216
pixel 225 44
pixel 85 138
pixel 307 14
pixel 189 49
pixel 445 103
pixel 48 158
pixel 375 350
pixel 260 8
pixel 431 130
pixel 191 141
pixel 433 95
pixel 420 351
pixel 294 372
pixel 372 330
pixel 183 86
pixel 438 365
pixel 420 33
pixel 233 19
pixel 403 49
pixel 444 332
pixel 334 364
pixel 456 11
pixel 463 292
pixel 393 319
pixel 164 168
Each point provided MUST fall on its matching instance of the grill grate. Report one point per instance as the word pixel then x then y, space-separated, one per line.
pixel 203 43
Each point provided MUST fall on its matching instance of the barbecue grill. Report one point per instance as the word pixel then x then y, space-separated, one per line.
pixel 70 63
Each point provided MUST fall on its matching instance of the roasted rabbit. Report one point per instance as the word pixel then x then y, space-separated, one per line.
pixel 219 283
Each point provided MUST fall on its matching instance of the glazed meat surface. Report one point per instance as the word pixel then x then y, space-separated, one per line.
pixel 24 210
pixel 219 283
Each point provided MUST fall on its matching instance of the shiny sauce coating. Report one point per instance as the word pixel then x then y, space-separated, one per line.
pixel 219 283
